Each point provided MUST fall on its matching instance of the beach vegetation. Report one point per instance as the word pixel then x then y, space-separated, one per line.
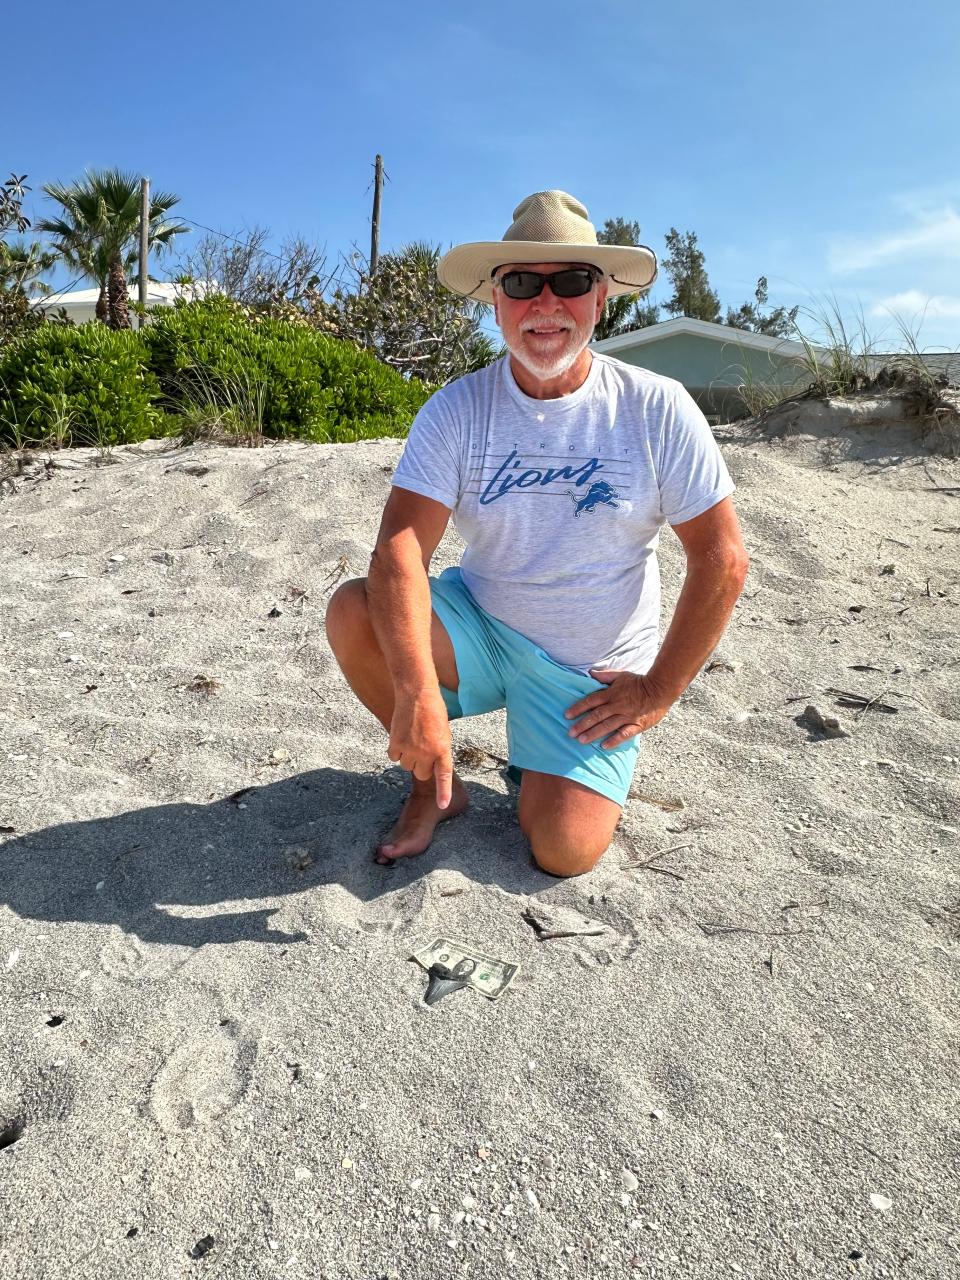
pixel 627 311
pixel 841 359
pixel 97 233
pixel 686 267
pixel 68 385
pixel 754 316
pixel 692 296
pixel 405 317
pixel 238 373
pixel 240 266
pixel 23 263
pixel 206 369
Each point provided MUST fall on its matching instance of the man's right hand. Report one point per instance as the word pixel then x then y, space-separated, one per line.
pixel 420 741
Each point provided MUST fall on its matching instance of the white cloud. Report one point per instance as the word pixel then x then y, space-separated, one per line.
pixel 936 232
pixel 914 304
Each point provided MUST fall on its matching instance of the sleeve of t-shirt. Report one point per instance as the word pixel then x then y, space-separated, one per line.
pixel 430 463
pixel 692 474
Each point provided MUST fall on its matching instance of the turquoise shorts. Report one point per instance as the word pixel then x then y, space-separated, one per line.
pixel 498 667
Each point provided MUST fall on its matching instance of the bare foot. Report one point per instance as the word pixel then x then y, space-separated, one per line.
pixel 413 830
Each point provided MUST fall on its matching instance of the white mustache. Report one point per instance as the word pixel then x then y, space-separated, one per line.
pixel 528 326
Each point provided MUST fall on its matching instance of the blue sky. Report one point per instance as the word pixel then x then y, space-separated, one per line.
pixel 815 144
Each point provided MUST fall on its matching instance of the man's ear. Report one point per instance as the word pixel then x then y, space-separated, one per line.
pixel 601 300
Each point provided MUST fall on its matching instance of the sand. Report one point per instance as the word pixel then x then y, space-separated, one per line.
pixel 216 1058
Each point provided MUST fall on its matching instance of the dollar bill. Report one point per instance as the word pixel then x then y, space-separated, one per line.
pixel 484 973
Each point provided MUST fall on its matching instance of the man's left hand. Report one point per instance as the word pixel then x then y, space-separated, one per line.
pixel 629 705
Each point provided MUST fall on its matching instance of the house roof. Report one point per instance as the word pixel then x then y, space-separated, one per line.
pixel 158 292
pixel 937 362
pixel 946 362
pixel 724 333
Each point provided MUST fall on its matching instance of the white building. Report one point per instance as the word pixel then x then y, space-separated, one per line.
pixel 81 304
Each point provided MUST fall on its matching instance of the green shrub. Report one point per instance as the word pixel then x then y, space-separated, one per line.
pixel 78 385
pixel 273 377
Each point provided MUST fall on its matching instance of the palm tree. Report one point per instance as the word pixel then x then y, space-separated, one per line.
pixel 22 263
pixel 625 311
pixel 99 232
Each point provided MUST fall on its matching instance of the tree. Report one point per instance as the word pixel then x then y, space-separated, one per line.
pixel 776 324
pixel 408 319
pixel 241 267
pixel 21 263
pixel 692 295
pixel 11 205
pixel 99 232
pixel 623 313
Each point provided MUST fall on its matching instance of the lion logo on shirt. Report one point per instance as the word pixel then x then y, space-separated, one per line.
pixel 599 492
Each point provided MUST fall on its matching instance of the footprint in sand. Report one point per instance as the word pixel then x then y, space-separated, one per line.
pixel 203 1079
pixel 398 912
pixel 601 933
pixel 127 958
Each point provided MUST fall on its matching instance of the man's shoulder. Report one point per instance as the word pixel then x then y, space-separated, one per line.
pixel 633 379
pixel 470 389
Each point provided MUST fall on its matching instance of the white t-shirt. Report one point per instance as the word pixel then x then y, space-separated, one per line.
pixel 560 502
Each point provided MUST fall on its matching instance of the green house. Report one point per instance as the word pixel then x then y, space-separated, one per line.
pixel 717 364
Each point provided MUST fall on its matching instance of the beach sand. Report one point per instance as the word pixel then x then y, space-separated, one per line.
pixel 216 1058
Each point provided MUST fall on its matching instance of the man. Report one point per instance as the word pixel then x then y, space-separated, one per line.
pixel 559 466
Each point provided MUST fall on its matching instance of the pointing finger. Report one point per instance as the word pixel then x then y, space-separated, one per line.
pixel 443 772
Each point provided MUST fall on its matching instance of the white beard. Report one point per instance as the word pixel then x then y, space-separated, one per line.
pixel 551 364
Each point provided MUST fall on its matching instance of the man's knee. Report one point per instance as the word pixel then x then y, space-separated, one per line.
pixel 347 612
pixel 569 826
pixel 556 854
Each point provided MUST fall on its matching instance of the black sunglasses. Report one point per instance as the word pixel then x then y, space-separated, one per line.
pixel 572 282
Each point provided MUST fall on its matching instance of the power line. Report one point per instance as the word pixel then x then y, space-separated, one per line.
pixel 58 293
pixel 224 236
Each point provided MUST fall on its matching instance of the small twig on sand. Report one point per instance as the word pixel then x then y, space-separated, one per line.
pixel 334 576
pixel 823 1124
pixel 654 857
pixel 663 871
pixel 571 933
pixel 874 702
pixel 545 934
pixel 647 863
pixel 845 698
pixel 804 906
pixel 712 928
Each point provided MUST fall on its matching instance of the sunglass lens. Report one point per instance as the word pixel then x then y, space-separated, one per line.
pixel 571 284
pixel 522 284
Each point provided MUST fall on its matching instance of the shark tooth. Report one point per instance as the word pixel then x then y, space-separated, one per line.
pixel 441 983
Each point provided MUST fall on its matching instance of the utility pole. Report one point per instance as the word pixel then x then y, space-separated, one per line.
pixel 375 227
pixel 144 249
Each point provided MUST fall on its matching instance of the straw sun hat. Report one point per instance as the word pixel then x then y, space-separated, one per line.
pixel 549 226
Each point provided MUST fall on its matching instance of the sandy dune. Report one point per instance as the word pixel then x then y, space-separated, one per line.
pixel 215 1055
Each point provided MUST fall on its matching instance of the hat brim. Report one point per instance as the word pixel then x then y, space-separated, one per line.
pixel 467 268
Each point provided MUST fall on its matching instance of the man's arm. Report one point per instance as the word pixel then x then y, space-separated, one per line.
pixel 717 564
pixel 398 596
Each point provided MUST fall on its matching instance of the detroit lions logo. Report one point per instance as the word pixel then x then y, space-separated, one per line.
pixel 598 492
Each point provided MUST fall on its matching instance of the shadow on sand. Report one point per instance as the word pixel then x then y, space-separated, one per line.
pixel 137 869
